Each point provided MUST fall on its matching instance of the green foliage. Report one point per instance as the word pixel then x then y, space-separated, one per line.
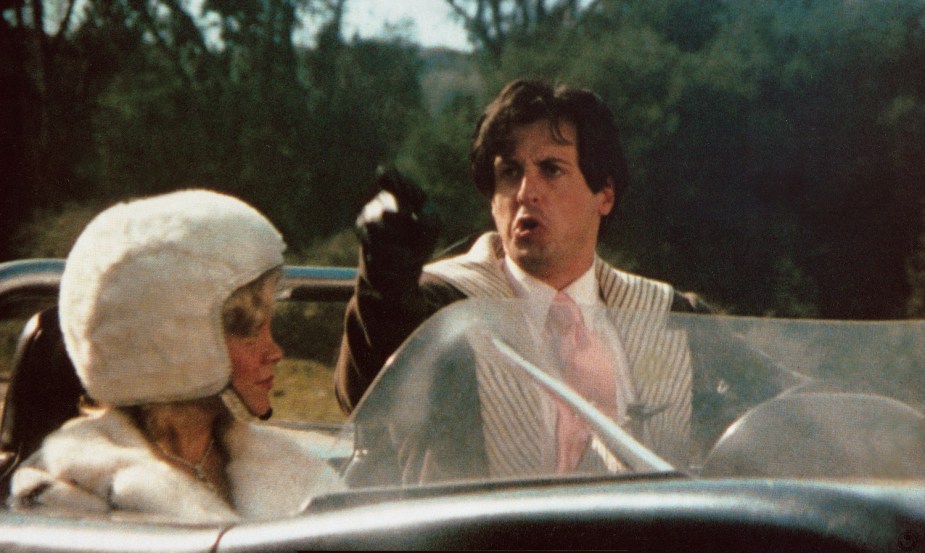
pixel 366 97
pixel 449 79
pixel 436 155
pixel 51 232
pixel 776 151
pixel 776 147
pixel 10 331
pixel 338 250
pixel 915 307
pixel 309 330
pixel 243 111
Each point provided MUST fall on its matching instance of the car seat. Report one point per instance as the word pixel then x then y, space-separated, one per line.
pixel 44 392
pixel 823 435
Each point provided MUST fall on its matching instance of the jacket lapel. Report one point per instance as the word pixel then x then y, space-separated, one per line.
pixel 659 359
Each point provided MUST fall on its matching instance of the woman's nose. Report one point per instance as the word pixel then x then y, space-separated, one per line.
pixel 273 353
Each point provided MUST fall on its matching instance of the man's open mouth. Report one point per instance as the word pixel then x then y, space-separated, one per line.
pixel 525 225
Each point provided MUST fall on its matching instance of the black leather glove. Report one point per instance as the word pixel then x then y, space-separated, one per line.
pixel 397 233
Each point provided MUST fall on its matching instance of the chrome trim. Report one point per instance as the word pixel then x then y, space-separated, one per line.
pixel 300 282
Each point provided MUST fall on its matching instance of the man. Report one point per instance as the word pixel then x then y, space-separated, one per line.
pixel 551 164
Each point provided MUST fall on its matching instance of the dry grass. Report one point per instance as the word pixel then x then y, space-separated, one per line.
pixel 304 391
pixel 9 335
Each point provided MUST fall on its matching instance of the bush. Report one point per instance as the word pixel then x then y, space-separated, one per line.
pixel 309 330
pixel 52 232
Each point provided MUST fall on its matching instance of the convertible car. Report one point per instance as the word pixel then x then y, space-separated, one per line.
pixel 800 436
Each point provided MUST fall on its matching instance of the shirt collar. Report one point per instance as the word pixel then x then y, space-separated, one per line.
pixel 583 290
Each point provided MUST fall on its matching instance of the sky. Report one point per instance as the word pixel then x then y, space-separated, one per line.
pixel 432 22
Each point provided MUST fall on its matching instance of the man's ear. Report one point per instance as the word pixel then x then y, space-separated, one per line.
pixel 607 196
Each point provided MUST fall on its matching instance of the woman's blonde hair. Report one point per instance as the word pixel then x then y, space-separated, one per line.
pixel 246 309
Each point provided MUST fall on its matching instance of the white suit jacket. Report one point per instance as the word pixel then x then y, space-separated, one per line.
pixel 659 362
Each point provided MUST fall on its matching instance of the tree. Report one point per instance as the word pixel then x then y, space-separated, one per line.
pixel 495 24
pixel 153 95
pixel 435 154
pixel 915 306
pixel 828 138
pixel 13 156
pixel 48 77
pixel 366 97
pixel 776 147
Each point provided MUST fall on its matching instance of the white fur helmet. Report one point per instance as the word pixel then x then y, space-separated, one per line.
pixel 143 288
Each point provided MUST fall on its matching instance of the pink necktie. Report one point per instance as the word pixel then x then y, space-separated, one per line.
pixel 587 367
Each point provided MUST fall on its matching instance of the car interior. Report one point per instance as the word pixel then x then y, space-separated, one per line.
pixel 642 513
pixel 42 394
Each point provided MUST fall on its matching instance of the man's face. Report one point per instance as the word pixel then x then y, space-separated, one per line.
pixel 544 211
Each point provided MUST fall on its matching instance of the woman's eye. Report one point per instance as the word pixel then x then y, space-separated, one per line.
pixel 250 338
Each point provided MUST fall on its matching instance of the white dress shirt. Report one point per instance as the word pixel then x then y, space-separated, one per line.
pixel 585 292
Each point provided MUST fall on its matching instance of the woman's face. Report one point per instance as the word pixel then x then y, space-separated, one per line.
pixel 253 362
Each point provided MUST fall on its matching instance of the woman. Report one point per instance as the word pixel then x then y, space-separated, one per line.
pixel 165 302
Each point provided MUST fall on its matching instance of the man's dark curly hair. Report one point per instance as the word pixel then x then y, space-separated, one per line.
pixel 522 102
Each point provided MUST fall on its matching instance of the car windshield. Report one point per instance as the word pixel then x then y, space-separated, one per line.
pixel 473 395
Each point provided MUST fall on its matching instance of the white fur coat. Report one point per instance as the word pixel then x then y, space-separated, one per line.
pixel 102 464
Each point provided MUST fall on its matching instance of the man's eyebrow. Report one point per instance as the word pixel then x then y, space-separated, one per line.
pixel 554 159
